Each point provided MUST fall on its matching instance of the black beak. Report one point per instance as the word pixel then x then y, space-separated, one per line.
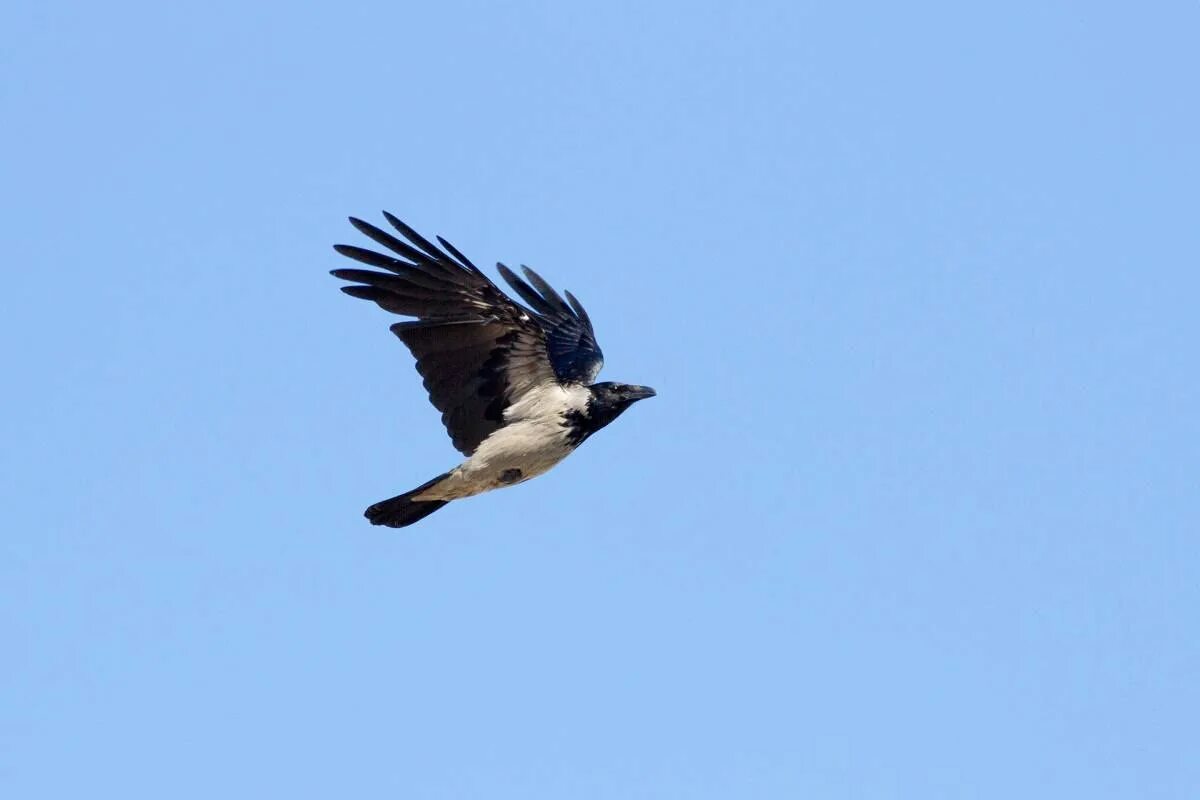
pixel 639 392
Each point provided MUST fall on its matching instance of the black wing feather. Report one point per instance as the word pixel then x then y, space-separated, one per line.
pixel 535 300
pixel 547 291
pixel 420 241
pixel 579 309
pixel 466 262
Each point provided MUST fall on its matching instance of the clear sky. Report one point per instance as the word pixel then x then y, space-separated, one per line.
pixel 914 514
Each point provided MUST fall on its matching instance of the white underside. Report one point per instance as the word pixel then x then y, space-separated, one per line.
pixel 533 440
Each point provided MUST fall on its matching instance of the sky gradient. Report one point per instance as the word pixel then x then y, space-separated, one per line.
pixel 914 514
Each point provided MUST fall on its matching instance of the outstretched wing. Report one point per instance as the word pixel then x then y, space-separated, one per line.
pixel 477 349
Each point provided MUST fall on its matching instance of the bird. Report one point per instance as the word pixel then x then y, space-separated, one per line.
pixel 515 384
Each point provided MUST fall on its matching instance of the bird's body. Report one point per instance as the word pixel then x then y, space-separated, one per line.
pixel 514 384
pixel 536 436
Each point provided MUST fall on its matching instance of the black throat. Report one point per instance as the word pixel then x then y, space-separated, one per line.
pixel 598 413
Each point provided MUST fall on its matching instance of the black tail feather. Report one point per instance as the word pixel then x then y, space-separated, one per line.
pixel 402 510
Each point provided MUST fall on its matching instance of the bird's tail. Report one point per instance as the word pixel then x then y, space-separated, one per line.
pixel 402 510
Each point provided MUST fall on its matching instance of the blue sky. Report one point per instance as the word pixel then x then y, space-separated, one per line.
pixel 914 514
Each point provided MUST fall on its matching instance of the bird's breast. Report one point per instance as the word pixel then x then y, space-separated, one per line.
pixel 511 455
pixel 533 446
pixel 547 402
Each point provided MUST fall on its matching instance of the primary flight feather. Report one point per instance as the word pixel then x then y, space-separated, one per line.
pixel 514 383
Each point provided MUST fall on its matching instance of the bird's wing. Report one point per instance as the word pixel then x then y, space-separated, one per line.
pixel 476 348
pixel 570 339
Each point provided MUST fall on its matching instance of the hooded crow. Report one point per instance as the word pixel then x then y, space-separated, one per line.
pixel 514 382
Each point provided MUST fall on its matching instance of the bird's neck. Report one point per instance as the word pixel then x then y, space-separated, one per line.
pixel 582 423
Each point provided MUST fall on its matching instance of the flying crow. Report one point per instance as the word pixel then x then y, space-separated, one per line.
pixel 513 383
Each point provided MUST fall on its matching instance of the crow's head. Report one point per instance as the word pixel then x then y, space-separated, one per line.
pixel 607 402
pixel 618 395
